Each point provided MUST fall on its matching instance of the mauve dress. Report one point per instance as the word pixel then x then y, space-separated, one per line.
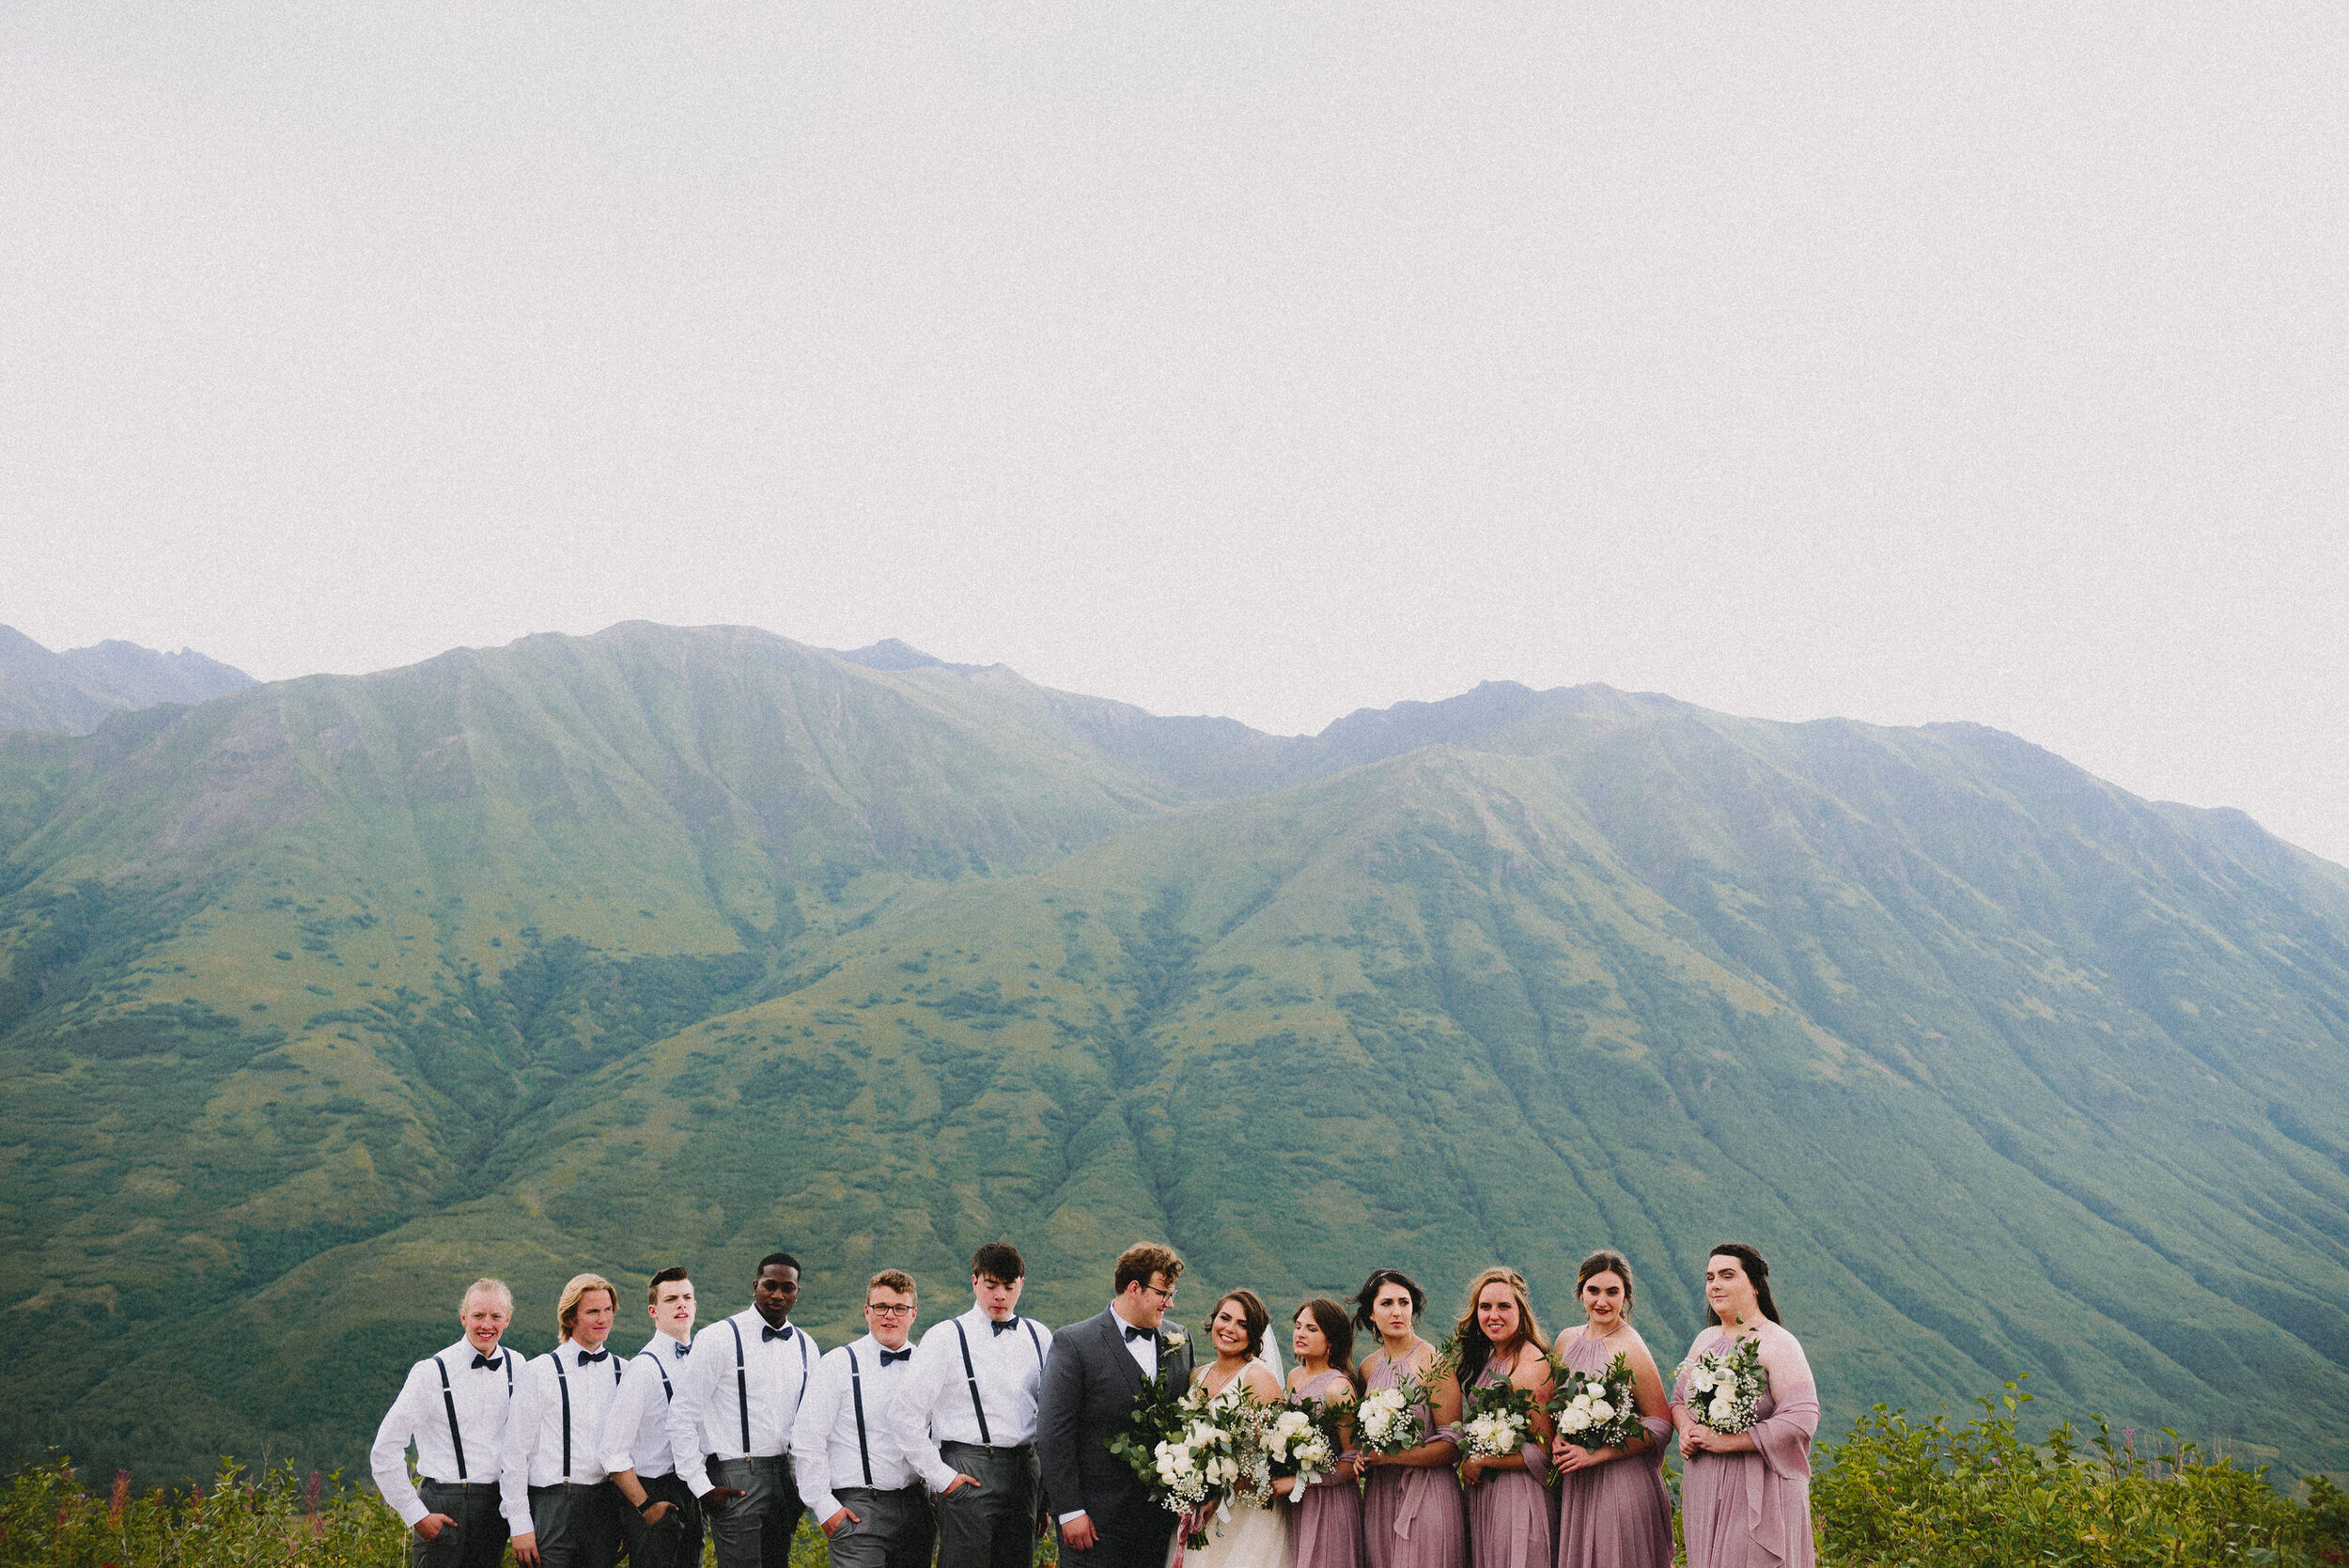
pixel 1508 1510
pixel 1616 1515
pixel 1412 1517
pixel 1753 1510
pixel 1329 1516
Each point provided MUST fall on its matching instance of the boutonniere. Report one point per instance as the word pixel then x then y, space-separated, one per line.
pixel 1172 1334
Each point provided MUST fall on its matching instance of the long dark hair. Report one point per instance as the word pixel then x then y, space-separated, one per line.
pixel 1255 1317
pixel 1330 1317
pixel 1476 1348
pixel 1757 1269
pixel 1369 1292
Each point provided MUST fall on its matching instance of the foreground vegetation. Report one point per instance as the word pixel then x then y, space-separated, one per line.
pixel 1894 1493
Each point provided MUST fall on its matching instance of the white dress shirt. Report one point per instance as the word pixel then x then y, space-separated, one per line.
pixel 479 1396
pixel 934 1404
pixel 828 1449
pixel 706 1417
pixel 536 1432
pixel 1143 1350
pixel 636 1428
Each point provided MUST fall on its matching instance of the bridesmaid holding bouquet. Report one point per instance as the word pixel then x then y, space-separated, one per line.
pixel 1508 1499
pixel 1613 1509
pixel 1330 1516
pixel 1411 1516
pixel 1745 1496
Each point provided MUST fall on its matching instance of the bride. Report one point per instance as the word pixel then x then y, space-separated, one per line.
pixel 1257 1533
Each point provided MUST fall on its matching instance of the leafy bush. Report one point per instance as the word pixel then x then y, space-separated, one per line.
pixel 1897 1492
pixel 277 1518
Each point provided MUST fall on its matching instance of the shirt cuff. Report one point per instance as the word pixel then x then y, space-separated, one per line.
pixel 1070 1518
pixel 697 1479
pixel 939 1476
pixel 823 1505
pixel 411 1509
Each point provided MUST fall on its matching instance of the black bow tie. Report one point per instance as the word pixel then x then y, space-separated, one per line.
pixel 589 1357
pixel 905 1355
pixel 1003 1327
pixel 492 1362
pixel 782 1333
pixel 681 1350
pixel 1133 1334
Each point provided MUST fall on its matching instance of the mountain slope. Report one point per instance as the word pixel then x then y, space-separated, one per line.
pixel 326 998
pixel 72 692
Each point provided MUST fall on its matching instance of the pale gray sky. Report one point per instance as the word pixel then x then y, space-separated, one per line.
pixel 1905 362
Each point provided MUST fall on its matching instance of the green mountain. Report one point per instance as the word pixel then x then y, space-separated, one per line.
pixel 326 996
pixel 72 692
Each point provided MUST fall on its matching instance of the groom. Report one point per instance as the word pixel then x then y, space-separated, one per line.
pixel 1106 1519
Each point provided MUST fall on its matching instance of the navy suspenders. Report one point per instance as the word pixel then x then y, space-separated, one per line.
pixel 563 1382
pixel 668 1394
pixel 449 1403
pixel 856 1391
pixel 970 1375
pixel 743 1387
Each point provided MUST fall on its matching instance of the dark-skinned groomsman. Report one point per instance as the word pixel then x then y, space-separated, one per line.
pixel 562 1509
pixel 662 1525
pixel 454 1406
pixel 741 1391
pixel 966 1418
pixel 873 1507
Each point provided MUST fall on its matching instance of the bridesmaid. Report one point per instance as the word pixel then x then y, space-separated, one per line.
pixel 1745 1497
pixel 1508 1497
pixel 1411 1516
pixel 1330 1518
pixel 1613 1509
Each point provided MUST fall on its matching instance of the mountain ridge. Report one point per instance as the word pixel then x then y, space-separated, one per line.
pixel 72 692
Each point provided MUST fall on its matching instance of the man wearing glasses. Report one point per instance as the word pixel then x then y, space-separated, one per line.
pixel 853 1476
pixel 1106 1519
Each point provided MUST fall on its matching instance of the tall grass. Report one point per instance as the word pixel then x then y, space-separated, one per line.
pixel 1897 1492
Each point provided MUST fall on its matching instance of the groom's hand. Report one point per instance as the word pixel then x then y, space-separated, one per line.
pixel 1077 1535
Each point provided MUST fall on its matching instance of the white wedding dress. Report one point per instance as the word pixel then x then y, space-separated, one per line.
pixel 1256 1535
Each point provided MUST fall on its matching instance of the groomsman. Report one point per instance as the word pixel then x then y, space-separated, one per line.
pixel 559 1503
pixel 1106 1519
pixel 454 1406
pixel 871 1505
pixel 735 1407
pixel 966 1418
pixel 662 1525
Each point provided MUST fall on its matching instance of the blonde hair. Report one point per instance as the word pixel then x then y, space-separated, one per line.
pixel 566 1310
pixel 1475 1349
pixel 890 1279
pixel 486 1286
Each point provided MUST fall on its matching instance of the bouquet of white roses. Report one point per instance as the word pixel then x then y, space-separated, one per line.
pixel 1296 1439
pixel 1499 1415
pixel 1723 1388
pixel 1597 1412
pixel 1184 1448
pixel 1388 1421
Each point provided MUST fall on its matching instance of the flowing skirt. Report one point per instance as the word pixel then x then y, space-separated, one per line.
pixel 1328 1528
pixel 1738 1513
pixel 1615 1516
pixel 1508 1518
pixel 1257 1537
pixel 1411 1518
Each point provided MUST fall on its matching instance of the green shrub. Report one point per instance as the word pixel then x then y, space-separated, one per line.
pixel 277 1518
pixel 1897 1492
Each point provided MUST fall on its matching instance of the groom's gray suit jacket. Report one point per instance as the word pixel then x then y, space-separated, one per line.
pixel 1090 1381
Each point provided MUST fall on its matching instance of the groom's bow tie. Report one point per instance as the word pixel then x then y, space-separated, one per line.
pixel 782 1333
pixel 905 1355
pixel 1003 1327
pixel 1133 1333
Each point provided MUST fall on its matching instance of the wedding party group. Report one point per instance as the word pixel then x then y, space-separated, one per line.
pixel 1499 1448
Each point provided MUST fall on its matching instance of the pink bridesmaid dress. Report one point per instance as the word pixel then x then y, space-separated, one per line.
pixel 1411 1518
pixel 1617 1514
pixel 1753 1510
pixel 1508 1510
pixel 1329 1516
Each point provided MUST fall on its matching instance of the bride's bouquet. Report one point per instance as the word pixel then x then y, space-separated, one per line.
pixel 1596 1412
pixel 1387 1420
pixel 1189 1452
pixel 1497 1422
pixel 1723 1388
pixel 1299 1438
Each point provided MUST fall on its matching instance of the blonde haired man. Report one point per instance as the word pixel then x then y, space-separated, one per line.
pixel 452 1405
pixel 867 1498
pixel 560 1505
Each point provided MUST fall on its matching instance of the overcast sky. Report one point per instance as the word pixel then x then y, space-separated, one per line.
pixel 1899 362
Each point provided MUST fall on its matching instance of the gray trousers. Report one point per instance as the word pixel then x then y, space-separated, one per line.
pixel 675 1541
pixel 891 1529
pixel 993 1524
pixel 578 1524
pixel 476 1540
pixel 754 1529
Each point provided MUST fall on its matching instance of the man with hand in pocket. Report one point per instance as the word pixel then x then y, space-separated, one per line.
pixel 870 1503
pixel 662 1525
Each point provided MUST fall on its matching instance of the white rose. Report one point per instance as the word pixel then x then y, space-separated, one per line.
pixel 1575 1420
pixel 1723 1408
pixel 1601 1411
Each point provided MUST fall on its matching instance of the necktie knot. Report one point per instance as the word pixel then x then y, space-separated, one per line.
pixel 1133 1334
pixel 889 1356
pixel 1005 1327
pixel 492 1362
pixel 782 1333
pixel 589 1357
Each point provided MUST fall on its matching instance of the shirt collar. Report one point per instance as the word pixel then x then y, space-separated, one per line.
pixel 977 1314
pixel 462 1352
pixel 661 1342
pixel 1121 1318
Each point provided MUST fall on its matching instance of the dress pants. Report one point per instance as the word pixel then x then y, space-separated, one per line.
pixel 754 1529
pixel 1136 1537
pixel 675 1541
pixel 891 1529
pixel 476 1540
pixel 992 1525
pixel 578 1524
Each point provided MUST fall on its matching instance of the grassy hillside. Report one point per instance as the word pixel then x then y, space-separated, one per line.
pixel 323 997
